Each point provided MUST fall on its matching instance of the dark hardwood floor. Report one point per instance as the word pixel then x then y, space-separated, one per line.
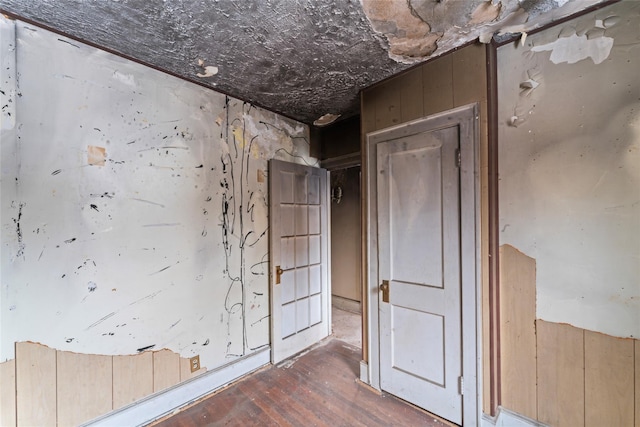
pixel 318 388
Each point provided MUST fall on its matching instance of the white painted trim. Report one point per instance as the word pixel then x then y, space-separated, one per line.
pixel 364 372
pixel 507 418
pixel 346 304
pixel 467 117
pixel 163 403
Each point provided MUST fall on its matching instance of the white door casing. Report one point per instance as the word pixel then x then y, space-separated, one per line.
pixel 423 239
pixel 299 257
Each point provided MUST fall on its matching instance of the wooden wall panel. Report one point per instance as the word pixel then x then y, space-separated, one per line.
pixel 411 95
pixel 367 115
pixel 637 381
pixel 560 374
pixel 132 378
pixel 469 74
pixel 46 387
pixel 84 387
pixel 388 106
pixel 166 369
pixel 609 380
pixel 437 85
pixel 517 331
pixel 35 384
pixel 8 393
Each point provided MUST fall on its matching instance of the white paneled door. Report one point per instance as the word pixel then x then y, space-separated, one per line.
pixel 299 257
pixel 419 222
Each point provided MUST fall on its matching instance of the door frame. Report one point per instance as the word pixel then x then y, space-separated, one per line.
pixel 467 117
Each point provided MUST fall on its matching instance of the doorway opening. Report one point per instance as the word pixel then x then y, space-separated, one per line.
pixel 346 258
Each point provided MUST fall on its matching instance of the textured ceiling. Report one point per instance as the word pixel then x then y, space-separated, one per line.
pixel 300 58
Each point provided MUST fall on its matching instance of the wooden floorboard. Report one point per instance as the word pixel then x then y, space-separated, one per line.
pixel 318 388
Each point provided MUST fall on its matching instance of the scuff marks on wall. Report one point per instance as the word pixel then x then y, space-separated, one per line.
pixel 141 235
pixel 18 228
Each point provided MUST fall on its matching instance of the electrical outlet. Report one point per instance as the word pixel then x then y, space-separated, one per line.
pixel 195 363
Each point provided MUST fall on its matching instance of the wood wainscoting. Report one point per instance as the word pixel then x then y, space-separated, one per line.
pixel 47 387
pixel 556 373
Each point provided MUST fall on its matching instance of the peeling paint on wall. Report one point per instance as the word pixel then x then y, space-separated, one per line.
pixel 164 244
pixel 485 12
pixel 569 149
pixel 576 48
pixel 408 35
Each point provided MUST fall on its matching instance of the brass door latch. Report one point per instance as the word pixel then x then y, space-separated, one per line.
pixel 384 288
pixel 279 272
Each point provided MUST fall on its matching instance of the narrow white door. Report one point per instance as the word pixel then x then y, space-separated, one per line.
pixel 299 257
pixel 418 205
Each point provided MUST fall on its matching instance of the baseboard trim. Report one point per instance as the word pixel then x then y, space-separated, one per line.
pixel 158 405
pixel 346 304
pixel 364 372
pixel 507 418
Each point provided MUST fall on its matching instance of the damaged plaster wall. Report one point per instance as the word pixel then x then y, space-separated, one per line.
pixel 414 30
pixel 133 205
pixel 569 158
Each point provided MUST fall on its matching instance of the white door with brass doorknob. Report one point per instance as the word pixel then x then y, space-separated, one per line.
pixel 299 257
pixel 422 183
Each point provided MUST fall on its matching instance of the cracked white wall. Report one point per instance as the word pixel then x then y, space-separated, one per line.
pixel 123 194
pixel 569 159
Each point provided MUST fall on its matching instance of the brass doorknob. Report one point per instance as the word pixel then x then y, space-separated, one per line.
pixel 384 288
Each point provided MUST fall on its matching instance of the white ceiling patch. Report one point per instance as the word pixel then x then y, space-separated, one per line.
pixel 209 70
pixel 576 48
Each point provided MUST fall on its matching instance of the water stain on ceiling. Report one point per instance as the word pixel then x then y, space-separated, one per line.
pixel 301 58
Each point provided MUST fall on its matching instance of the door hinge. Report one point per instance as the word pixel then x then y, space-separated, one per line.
pixel 458 157
pixel 461 385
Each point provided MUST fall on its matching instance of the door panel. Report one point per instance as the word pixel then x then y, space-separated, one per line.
pixel 299 247
pixel 419 255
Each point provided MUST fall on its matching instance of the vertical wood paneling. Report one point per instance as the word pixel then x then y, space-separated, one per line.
pixel 8 393
pixel 469 74
pixel 609 382
pixel 388 106
pixel 437 85
pixel 64 388
pixel 367 114
pixel 484 257
pixel 132 378
pixel 411 95
pixel 166 369
pixel 637 381
pixel 517 331
pixel 560 374
pixel 84 387
pixel 35 384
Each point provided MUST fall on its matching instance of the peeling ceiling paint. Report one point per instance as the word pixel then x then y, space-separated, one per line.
pixel 300 58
